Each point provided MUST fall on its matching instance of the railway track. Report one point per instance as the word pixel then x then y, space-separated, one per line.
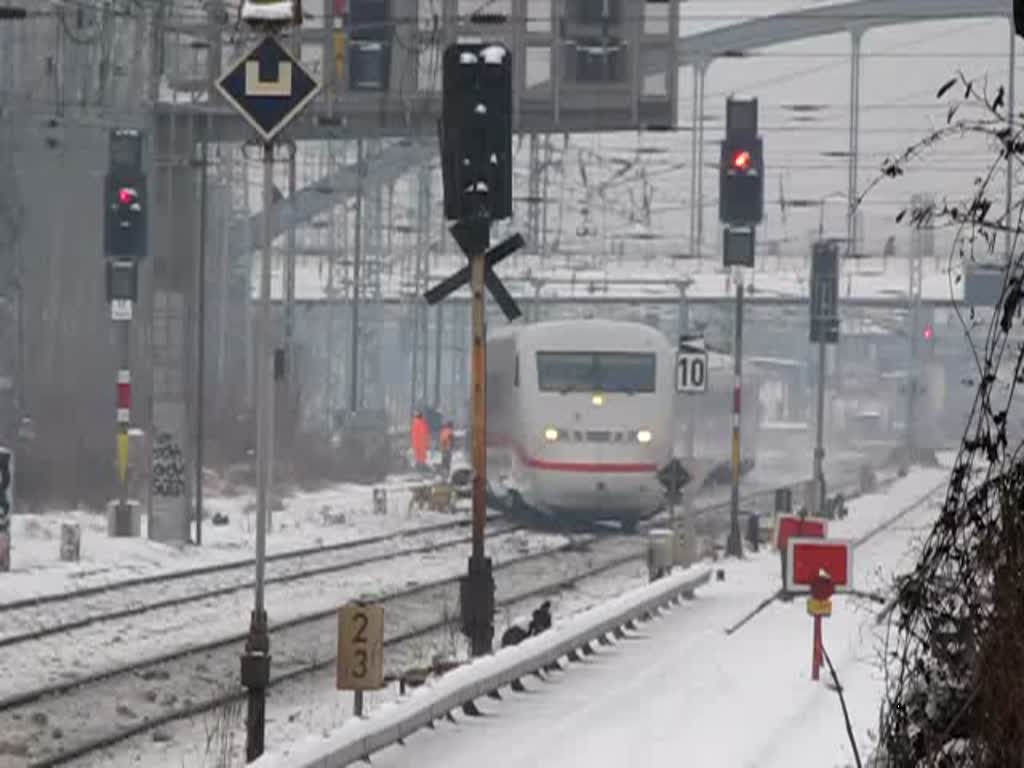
pixel 88 714
pixel 131 597
pixel 883 526
pixel 79 714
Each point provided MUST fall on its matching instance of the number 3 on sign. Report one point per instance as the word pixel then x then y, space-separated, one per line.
pixel 692 372
pixel 360 647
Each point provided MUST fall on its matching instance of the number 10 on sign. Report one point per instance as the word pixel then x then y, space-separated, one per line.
pixel 360 647
pixel 692 371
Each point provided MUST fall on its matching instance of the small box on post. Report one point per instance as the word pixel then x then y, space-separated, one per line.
pixel 738 246
pixel 360 650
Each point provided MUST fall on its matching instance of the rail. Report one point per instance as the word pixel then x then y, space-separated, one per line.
pixel 359 738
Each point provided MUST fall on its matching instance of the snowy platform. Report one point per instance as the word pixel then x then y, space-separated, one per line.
pixel 679 687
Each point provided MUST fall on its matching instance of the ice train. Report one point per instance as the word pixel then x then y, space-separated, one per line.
pixel 582 414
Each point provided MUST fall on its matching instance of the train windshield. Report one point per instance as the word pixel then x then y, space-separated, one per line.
pixel 629 372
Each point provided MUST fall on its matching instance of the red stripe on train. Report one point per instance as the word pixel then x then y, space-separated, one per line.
pixel 572 466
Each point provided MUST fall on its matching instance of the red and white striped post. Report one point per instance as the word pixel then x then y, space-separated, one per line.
pixel 734 544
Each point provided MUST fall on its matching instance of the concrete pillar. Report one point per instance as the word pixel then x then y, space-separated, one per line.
pixel 173 221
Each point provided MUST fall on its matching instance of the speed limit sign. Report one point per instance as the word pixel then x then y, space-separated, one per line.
pixel 360 647
pixel 691 369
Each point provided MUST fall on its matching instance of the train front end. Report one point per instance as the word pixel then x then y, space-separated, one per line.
pixel 597 409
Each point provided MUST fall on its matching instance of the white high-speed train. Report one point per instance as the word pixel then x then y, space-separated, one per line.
pixel 581 415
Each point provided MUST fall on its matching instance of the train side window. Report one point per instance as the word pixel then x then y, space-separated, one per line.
pixel 515 376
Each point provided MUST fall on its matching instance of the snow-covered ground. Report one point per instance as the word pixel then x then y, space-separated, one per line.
pixel 307 519
pixel 339 513
pixel 312 705
pixel 681 689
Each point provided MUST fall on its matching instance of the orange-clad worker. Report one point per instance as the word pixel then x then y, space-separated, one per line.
pixel 420 438
pixel 446 441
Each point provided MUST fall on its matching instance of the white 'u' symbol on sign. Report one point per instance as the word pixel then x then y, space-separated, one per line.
pixel 282 86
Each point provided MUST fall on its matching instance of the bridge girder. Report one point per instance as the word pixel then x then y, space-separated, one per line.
pixel 698 49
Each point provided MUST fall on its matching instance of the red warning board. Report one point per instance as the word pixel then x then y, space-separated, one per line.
pixel 808 556
pixel 789 526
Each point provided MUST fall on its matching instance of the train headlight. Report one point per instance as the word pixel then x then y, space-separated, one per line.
pixel 597 400
pixel 644 436
pixel 551 434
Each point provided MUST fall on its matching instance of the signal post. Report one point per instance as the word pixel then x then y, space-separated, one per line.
pixel 741 208
pixel 476 163
pixel 824 323
pixel 125 235
pixel 269 88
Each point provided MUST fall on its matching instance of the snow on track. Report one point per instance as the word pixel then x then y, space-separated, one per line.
pixel 95 648
pixel 680 690
pixel 155 691
pixel 339 513
pixel 56 613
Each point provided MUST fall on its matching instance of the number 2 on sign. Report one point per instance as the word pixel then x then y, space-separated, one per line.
pixel 361 621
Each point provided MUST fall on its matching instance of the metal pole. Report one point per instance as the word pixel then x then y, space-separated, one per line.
pixel 851 188
pixel 694 139
pixel 479 368
pixel 912 371
pixel 734 545
pixel 332 299
pixel 357 257
pixel 701 71
pixel 256 660
pixel 201 342
pixel 289 293
pixel 819 440
pixel 125 354
pixel 479 580
pixel 438 352
pixel 1010 106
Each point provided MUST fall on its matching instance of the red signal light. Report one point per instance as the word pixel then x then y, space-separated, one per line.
pixel 928 333
pixel 741 160
pixel 127 196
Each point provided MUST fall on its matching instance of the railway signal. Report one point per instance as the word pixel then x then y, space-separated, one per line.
pixel 476 162
pixel 125 203
pixel 269 88
pixel 740 209
pixel 824 329
pixel 741 167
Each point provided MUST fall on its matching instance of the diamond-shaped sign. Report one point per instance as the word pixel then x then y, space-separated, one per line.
pixel 268 87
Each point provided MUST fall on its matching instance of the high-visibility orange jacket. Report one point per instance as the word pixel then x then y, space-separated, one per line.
pixel 420 437
pixel 447 438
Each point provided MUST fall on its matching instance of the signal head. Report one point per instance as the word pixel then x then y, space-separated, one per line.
pixel 741 160
pixel 928 333
pixel 127 196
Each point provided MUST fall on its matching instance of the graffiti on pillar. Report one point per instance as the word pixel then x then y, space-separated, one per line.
pixel 168 467
pixel 6 502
